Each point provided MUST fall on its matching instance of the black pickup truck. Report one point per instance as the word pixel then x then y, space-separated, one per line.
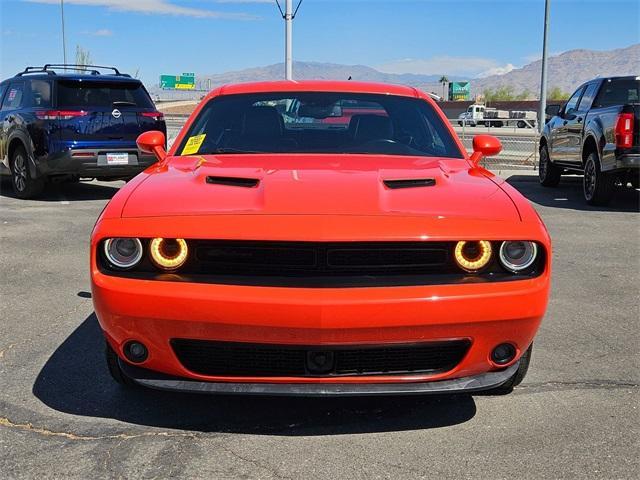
pixel 595 134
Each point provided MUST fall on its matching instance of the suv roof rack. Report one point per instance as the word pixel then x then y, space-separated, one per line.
pixel 50 69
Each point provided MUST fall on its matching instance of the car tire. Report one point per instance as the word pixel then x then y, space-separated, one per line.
pixel 548 173
pixel 24 185
pixel 521 124
pixel 597 186
pixel 517 378
pixel 114 368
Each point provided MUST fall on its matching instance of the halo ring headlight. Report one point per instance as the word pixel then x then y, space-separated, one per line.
pixel 168 253
pixel 123 253
pixel 472 256
pixel 518 255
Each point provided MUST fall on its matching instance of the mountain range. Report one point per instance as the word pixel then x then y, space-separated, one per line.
pixel 566 71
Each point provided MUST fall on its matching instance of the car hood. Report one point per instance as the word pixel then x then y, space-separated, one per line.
pixel 298 184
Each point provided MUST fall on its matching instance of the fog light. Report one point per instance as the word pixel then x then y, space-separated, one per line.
pixel 503 354
pixel 135 352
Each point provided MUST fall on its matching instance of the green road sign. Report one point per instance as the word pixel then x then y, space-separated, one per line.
pixel 459 91
pixel 186 81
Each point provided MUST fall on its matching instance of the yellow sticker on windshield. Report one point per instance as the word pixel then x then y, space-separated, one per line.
pixel 193 144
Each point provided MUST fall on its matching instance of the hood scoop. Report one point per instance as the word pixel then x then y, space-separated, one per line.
pixel 233 181
pixel 409 183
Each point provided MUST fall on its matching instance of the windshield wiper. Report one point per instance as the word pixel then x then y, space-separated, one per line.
pixel 231 150
pixel 133 104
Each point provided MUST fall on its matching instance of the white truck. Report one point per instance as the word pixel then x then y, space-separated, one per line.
pixel 478 114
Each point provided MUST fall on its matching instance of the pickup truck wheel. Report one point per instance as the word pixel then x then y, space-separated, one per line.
pixel 548 173
pixel 114 368
pixel 24 186
pixel 597 185
pixel 517 378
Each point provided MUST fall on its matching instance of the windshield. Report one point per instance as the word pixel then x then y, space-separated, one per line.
pixel 319 122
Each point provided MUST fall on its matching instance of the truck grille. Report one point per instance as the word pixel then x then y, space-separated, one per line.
pixel 266 360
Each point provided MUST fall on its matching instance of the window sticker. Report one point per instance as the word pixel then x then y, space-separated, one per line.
pixel 193 144
pixel 12 94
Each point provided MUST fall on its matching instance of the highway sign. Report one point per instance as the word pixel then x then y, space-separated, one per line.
pixel 186 81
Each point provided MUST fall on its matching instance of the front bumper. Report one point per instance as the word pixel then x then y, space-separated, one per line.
pixel 159 381
pixel 155 312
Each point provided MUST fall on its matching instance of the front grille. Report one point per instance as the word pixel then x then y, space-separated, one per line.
pixel 267 360
pixel 320 259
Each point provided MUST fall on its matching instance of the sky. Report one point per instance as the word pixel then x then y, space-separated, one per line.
pixel 459 38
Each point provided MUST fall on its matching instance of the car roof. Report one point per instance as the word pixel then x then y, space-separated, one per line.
pixel 345 86
pixel 74 76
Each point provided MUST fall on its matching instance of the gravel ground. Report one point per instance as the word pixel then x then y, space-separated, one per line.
pixel 575 416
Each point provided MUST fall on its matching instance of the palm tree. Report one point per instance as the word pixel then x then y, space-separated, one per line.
pixel 443 80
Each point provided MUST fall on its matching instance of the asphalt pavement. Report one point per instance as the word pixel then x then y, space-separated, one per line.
pixel 575 416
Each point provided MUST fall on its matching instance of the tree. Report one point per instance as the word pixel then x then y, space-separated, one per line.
pixel 443 80
pixel 556 93
pixel 505 92
pixel 83 57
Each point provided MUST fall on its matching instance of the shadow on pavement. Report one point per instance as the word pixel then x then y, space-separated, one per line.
pixel 71 192
pixel 569 195
pixel 75 380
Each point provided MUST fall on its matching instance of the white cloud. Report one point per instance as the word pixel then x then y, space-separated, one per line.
pixel 467 66
pixel 158 7
pixel 102 32
pixel 497 70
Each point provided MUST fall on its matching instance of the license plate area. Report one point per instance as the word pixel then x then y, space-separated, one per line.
pixel 115 159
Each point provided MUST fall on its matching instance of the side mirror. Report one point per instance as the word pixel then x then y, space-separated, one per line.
pixel 153 142
pixel 552 110
pixel 484 146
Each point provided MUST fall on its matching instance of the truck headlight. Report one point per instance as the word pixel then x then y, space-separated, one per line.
pixel 123 253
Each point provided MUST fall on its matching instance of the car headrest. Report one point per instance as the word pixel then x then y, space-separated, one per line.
pixel 262 122
pixel 370 127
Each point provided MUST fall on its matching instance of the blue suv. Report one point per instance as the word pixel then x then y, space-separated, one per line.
pixel 64 122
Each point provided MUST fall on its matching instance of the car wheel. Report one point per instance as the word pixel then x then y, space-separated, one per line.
pixel 521 124
pixel 548 173
pixel 24 185
pixel 517 378
pixel 114 368
pixel 597 186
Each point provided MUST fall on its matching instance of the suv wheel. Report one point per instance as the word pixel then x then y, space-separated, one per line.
pixel 516 378
pixel 24 186
pixel 597 186
pixel 548 173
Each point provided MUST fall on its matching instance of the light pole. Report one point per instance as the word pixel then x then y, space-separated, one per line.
pixel 288 27
pixel 64 44
pixel 543 77
pixel 288 15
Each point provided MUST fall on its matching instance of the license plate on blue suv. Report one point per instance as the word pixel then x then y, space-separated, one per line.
pixel 120 158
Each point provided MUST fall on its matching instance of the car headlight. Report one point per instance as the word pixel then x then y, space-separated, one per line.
pixel 472 256
pixel 518 255
pixel 169 253
pixel 123 252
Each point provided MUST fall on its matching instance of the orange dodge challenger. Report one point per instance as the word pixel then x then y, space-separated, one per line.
pixel 319 238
